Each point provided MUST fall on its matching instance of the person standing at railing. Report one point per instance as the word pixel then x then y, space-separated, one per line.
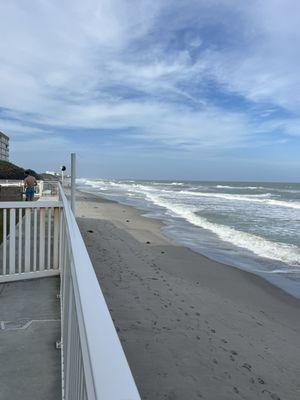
pixel 30 184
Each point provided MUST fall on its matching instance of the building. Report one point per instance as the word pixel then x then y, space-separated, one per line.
pixel 4 147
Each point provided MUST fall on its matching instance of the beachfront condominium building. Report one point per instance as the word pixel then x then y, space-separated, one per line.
pixel 4 147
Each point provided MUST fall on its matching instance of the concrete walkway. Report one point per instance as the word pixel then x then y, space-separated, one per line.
pixel 29 327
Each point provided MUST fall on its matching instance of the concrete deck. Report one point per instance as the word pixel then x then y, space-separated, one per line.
pixel 30 367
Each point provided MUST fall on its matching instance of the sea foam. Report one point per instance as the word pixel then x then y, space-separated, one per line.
pixel 255 198
pixel 260 246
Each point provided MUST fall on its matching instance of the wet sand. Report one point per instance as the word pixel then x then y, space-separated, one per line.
pixel 191 328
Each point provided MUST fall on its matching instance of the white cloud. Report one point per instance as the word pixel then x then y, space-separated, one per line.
pixel 266 68
pixel 59 59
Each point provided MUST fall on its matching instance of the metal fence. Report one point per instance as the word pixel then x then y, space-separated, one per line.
pixel 40 239
pixel 29 235
pixel 94 364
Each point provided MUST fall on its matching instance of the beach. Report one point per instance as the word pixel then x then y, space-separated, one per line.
pixel 191 328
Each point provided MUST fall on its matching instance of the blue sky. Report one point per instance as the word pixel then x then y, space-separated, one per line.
pixel 153 89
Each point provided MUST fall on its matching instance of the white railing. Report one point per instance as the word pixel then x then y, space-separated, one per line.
pixel 11 182
pixel 29 232
pixel 41 239
pixel 94 364
pixel 51 186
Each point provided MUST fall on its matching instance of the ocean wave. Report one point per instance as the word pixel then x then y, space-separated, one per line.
pixel 91 183
pixel 259 198
pixel 173 183
pixel 240 187
pixel 106 185
pixel 286 253
pixel 263 198
pixel 273 189
pixel 226 195
pixel 282 271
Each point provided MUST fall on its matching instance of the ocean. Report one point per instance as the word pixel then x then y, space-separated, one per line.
pixel 252 226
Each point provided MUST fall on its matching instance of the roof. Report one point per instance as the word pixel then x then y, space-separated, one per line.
pixel 3 135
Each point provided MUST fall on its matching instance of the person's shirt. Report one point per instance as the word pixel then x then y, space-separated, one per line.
pixel 30 181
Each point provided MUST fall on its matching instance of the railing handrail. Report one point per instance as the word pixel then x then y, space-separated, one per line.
pixel 102 353
pixel 30 204
pixel 12 181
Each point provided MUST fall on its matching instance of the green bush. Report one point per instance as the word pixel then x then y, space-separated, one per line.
pixel 12 171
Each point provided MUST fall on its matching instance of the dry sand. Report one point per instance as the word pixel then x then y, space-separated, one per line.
pixel 191 328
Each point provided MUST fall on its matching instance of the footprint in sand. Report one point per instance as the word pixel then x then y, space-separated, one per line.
pixel 223 348
pixel 273 396
pixel 247 366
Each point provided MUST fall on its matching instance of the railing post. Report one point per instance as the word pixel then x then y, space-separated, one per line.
pixel 12 241
pixel 73 182
pixel 27 238
pixel 56 238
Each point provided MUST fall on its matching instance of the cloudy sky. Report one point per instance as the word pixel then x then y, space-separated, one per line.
pixel 153 88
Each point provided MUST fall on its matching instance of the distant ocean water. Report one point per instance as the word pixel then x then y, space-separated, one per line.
pixel 252 226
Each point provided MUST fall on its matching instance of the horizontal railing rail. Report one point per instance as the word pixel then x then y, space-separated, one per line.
pixel 11 182
pixel 30 204
pixel 94 364
pixel 20 183
pixel 29 235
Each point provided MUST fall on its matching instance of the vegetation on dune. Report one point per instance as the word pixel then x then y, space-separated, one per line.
pixel 12 171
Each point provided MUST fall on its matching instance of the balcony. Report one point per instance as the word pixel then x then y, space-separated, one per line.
pixel 57 336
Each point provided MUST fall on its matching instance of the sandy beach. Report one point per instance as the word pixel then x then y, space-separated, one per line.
pixel 191 328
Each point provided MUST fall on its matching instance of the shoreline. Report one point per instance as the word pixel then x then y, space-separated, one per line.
pixel 190 327
pixel 161 224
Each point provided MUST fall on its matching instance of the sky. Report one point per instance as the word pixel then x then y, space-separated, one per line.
pixel 153 89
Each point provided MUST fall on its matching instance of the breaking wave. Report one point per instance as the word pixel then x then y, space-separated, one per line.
pixel 286 253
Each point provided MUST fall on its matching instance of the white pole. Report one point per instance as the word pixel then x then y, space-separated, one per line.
pixel 73 182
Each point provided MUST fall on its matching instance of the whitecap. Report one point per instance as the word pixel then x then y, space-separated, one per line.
pixel 260 246
pixel 259 198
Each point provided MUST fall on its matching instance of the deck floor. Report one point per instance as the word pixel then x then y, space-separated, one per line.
pixel 30 366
